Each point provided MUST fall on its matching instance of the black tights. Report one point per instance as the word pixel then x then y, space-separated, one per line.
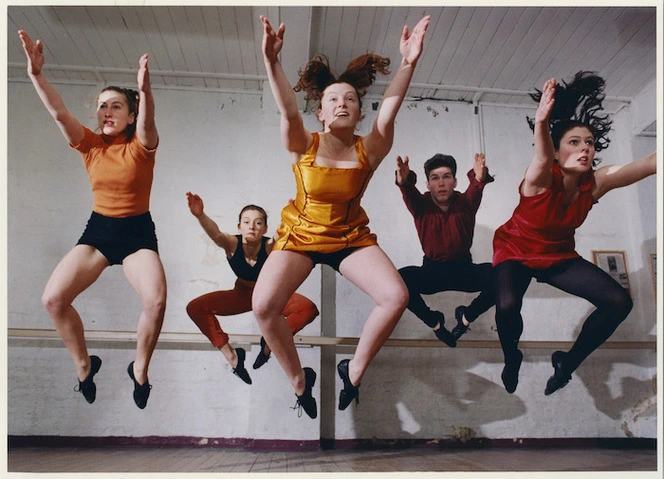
pixel 576 276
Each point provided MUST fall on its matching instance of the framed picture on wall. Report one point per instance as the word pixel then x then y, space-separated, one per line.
pixel 614 263
pixel 653 268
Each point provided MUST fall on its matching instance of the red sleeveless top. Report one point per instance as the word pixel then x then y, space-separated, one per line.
pixel 540 232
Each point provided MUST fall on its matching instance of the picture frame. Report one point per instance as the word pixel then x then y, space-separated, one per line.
pixel 614 263
pixel 653 269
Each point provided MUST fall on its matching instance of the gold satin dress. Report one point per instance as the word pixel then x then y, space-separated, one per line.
pixel 326 215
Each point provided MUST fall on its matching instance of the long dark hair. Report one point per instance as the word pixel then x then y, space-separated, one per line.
pixel 360 73
pixel 578 103
pixel 132 98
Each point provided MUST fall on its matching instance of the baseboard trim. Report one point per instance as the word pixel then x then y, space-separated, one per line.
pixel 15 441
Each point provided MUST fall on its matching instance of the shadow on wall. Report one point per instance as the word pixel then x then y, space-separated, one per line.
pixel 436 393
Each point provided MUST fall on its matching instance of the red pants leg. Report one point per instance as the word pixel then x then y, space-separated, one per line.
pixel 204 310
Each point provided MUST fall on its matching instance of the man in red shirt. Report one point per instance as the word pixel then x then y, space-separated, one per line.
pixel 445 223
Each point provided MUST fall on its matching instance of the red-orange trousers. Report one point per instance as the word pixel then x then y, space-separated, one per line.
pixel 299 311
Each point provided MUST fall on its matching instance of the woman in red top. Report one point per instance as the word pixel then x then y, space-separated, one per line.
pixel 120 163
pixel 559 189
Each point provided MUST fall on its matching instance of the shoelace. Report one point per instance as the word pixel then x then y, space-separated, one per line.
pixel 298 406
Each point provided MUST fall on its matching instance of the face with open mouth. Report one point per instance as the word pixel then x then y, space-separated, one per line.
pixel 113 113
pixel 339 107
pixel 577 150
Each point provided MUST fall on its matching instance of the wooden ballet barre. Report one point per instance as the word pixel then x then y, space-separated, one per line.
pixel 17 335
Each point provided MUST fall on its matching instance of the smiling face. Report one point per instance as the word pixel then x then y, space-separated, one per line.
pixel 113 113
pixel 441 184
pixel 339 106
pixel 576 151
pixel 252 225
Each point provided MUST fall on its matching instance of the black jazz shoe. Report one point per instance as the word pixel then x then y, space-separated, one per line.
pixel 560 378
pixel 87 387
pixel 349 392
pixel 141 391
pixel 306 400
pixel 443 334
pixel 460 329
pixel 262 357
pixel 510 374
pixel 239 370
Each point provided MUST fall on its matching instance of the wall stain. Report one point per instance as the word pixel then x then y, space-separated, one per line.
pixel 463 434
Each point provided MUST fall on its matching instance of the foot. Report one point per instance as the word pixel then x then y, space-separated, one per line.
pixel 560 378
pixel 510 374
pixel 460 329
pixel 141 391
pixel 349 392
pixel 239 370
pixel 443 334
pixel 87 387
pixel 262 356
pixel 306 400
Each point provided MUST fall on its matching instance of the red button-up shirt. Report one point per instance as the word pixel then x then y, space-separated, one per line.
pixel 445 236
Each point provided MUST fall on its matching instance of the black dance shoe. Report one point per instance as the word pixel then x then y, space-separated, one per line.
pixel 349 392
pixel 306 401
pixel 87 387
pixel 443 334
pixel 460 329
pixel 510 374
pixel 239 370
pixel 560 378
pixel 141 391
pixel 262 357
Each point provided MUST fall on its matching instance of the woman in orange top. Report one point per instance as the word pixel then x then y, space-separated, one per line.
pixel 325 223
pixel 120 164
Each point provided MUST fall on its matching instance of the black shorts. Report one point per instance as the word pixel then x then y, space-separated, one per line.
pixel 117 238
pixel 331 259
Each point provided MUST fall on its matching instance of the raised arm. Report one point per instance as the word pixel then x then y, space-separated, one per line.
pixel 379 141
pixel 539 173
pixel 610 177
pixel 221 239
pixel 295 137
pixel 146 128
pixel 71 128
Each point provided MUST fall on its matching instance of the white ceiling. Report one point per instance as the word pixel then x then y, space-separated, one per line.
pixel 483 54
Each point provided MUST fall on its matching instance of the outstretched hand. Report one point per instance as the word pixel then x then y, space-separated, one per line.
pixel 479 167
pixel 34 52
pixel 143 77
pixel 402 169
pixel 195 204
pixel 272 41
pixel 546 101
pixel 411 44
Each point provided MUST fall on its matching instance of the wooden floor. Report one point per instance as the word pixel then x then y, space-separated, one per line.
pixel 169 459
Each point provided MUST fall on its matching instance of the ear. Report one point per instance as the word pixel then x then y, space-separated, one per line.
pixel 455 183
pixel 132 117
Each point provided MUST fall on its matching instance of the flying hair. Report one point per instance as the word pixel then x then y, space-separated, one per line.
pixel 360 74
pixel 578 103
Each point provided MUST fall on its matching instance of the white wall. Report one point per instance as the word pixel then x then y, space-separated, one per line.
pixel 226 147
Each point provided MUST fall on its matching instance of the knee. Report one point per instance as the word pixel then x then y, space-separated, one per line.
pixel 620 306
pixel 195 308
pixel 155 305
pixel 54 303
pixel 263 307
pixel 396 298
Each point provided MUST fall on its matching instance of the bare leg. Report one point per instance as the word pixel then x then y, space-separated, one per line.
pixel 282 273
pixel 372 271
pixel 76 272
pixel 146 275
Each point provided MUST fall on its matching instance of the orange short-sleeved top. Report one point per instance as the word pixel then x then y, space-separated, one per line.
pixel 326 215
pixel 540 233
pixel 120 173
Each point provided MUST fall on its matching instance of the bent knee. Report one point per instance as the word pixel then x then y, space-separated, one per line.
pixel 54 303
pixel 395 299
